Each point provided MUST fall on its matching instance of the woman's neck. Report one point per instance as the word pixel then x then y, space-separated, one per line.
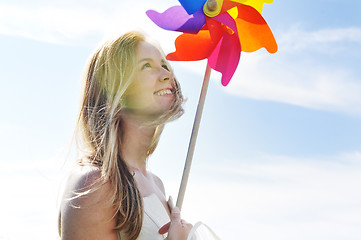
pixel 135 142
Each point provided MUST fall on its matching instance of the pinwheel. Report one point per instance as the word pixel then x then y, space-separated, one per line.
pixel 217 30
pixel 219 35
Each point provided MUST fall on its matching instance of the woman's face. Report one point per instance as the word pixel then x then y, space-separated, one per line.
pixel 152 90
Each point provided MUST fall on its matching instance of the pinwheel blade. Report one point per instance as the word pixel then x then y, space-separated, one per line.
pixel 256 4
pixel 254 32
pixel 192 6
pixel 192 47
pixel 225 57
pixel 177 19
pixel 228 21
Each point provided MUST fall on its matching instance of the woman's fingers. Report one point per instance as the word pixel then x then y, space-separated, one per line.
pixel 177 229
pixel 170 203
pixel 175 216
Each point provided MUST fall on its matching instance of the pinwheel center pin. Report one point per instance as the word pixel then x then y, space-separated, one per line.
pixel 212 7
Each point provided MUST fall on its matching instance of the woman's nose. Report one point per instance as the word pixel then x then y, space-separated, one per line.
pixel 166 75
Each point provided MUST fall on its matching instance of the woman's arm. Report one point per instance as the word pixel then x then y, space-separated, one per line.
pixel 90 216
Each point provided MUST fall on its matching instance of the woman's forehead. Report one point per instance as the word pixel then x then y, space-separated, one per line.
pixel 146 50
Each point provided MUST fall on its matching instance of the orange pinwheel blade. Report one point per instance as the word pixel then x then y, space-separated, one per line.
pixel 192 47
pixel 254 32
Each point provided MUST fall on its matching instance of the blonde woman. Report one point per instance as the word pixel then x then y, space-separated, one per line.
pixel 129 93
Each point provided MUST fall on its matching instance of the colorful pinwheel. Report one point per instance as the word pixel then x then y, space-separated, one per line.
pixel 217 30
pixel 219 35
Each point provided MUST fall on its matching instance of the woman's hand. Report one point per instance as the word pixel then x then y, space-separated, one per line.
pixel 177 228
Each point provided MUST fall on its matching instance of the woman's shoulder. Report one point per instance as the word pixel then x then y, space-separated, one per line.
pixel 158 182
pixel 85 184
pixel 84 176
pixel 85 205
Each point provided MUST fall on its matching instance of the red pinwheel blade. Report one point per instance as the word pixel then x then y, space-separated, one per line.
pixel 192 47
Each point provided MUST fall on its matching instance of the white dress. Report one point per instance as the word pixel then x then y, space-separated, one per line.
pixel 155 216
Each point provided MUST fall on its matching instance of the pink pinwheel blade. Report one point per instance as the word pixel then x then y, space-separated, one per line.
pixel 177 19
pixel 192 6
pixel 227 20
pixel 225 57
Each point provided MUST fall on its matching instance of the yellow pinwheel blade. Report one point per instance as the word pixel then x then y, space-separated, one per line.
pixel 257 4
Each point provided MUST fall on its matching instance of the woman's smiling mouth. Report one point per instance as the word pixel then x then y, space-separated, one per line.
pixel 163 92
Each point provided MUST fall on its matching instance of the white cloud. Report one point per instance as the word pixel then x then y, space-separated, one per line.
pixel 296 39
pixel 75 22
pixel 48 24
pixel 279 197
pixel 30 198
pixel 306 71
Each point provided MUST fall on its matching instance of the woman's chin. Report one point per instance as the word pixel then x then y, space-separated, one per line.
pixel 148 114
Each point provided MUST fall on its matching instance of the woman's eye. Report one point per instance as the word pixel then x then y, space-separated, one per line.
pixel 165 67
pixel 146 66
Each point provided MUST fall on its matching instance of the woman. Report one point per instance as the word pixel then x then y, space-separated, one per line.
pixel 129 93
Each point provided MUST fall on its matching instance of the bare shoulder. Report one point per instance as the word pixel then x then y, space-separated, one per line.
pixel 85 210
pixel 159 183
pixel 83 179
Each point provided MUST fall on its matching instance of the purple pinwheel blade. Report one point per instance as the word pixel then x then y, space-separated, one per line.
pixel 177 19
pixel 192 6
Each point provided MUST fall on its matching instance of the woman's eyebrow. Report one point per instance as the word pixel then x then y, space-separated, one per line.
pixel 145 60
pixel 151 60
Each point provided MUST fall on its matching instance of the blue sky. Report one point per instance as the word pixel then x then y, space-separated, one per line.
pixel 279 150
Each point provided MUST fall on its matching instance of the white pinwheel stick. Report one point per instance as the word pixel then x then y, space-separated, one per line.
pixel 193 139
pixel 212 6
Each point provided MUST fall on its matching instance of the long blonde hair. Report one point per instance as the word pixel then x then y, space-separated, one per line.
pixel 107 77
